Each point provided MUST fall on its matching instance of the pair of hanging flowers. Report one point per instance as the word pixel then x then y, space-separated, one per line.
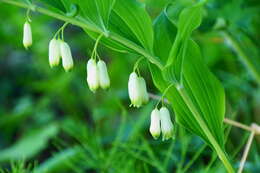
pixel 97 76
pixel 161 123
pixel 59 49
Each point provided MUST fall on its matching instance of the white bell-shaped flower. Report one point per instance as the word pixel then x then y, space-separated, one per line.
pixel 155 128
pixel 104 80
pixel 54 52
pixel 145 97
pixel 92 75
pixel 134 90
pixel 166 123
pixel 67 61
pixel 27 35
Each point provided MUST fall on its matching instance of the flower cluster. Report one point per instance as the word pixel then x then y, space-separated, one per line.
pixel 60 49
pixel 161 123
pixel 137 90
pixel 97 76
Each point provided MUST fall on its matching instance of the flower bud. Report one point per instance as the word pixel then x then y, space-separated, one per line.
pixel 67 61
pixel 155 128
pixel 54 52
pixel 145 97
pixel 166 123
pixel 104 80
pixel 134 90
pixel 92 75
pixel 27 35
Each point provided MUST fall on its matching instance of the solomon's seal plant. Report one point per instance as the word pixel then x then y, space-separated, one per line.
pixel 173 57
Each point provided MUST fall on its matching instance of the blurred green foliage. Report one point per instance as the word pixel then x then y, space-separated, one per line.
pixel 51 118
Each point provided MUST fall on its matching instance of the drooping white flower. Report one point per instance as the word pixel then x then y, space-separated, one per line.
pixel 145 97
pixel 67 61
pixel 92 75
pixel 155 128
pixel 134 90
pixel 166 123
pixel 54 52
pixel 27 35
pixel 104 80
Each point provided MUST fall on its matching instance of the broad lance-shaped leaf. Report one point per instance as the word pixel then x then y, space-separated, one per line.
pixel 135 22
pixel 96 11
pixel 203 93
pixel 65 7
pixel 57 4
pixel 202 89
pixel 164 35
pixel 189 20
pixel 130 20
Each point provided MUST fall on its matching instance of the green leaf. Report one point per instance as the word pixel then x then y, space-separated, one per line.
pixel 130 21
pixel 97 12
pixel 58 4
pixel 189 20
pixel 29 145
pixel 199 104
pixel 164 35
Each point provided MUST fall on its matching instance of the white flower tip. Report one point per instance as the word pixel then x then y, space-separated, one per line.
pixel 137 90
pixel 166 124
pixel 145 97
pixel 155 128
pixel 27 35
pixel 103 75
pixel 92 75
pixel 67 61
pixel 134 91
pixel 54 53
pixel 155 135
pixel 168 135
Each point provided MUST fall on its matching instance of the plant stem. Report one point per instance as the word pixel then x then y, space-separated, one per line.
pixel 246 151
pixel 91 27
pixel 205 128
pixel 237 124
pixel 243 57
